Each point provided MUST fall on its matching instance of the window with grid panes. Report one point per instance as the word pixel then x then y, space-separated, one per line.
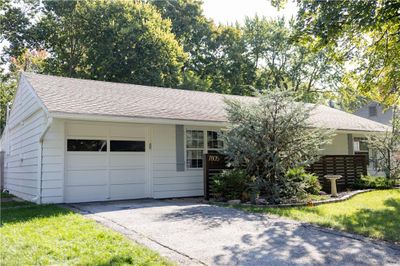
pixel 199 142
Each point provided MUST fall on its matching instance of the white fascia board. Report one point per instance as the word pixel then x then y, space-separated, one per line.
pixel 165 121
pixel 366 132
pixel 140 120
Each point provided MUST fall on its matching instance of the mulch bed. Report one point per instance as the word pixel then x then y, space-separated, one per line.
pixel 342 196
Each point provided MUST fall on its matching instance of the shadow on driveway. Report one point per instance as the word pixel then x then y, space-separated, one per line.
pixel 223 236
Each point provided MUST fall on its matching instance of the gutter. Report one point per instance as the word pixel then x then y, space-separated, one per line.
pixel 38 198
pixel 139 120
pixel 168 121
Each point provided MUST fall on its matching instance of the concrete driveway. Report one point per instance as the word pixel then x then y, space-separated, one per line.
pixel 192 233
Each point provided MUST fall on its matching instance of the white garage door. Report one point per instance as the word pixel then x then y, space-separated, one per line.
pixel 108 168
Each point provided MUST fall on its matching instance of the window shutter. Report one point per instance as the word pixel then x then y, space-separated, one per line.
pixel 180 148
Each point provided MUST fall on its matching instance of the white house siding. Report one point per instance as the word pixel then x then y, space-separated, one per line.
pixel 103 176
pixel 87 174
pixel 338 146
pixel 53 163
pixel 21 147
pixel 167 182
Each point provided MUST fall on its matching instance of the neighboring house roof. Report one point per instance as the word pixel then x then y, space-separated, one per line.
pixel 376 112
pixel 62 95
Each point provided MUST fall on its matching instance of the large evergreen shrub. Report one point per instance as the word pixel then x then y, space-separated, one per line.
pixel 268 137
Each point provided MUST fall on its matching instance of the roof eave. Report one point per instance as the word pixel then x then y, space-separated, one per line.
pixel 166 121
pixel 130 119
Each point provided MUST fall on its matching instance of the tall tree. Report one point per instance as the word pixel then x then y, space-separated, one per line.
pixel 217 56
pixel 281 60
pixel 27 61
pixel 16 26
pixel 124 41
pixel 193 30
pixel 7 90
pixel 366 34
pixel 231 69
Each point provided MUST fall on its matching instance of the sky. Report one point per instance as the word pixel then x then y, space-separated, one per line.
pixel 230 11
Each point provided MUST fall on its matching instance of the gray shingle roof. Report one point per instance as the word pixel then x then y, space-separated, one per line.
pixel 89 97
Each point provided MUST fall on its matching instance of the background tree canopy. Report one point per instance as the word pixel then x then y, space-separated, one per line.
pixel 342 51
pixel 364 34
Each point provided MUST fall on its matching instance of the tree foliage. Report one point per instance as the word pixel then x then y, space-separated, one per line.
pixel 169 43
pixel 386 146
pixel 7 89
pixel 217 56
pixel 123 41
pixel 365 35
pixel 281 60
pixel 271 136
pixel 27 61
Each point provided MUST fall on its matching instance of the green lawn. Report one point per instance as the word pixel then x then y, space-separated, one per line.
pixel 375 214
pixel 5 195
pixel 50 235
pixel 10 204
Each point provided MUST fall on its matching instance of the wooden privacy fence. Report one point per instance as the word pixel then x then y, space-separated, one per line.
pixel 350 167
pixel 213 165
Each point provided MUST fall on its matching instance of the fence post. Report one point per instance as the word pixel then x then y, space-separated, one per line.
pixel 365 166
pixel 206 177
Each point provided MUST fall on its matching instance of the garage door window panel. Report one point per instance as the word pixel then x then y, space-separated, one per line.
pixel 127 146
pixel 86 145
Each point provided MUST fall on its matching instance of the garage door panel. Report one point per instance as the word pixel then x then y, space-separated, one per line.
pixel 129 176
pixel 116 174
pixel 127 191
pixel 128 132
pixel 86 193
pixel 89 161
pixel 127 160
pixel 86 177
pixel 86 130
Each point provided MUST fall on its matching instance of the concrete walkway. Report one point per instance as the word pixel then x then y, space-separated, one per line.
pixel 192 233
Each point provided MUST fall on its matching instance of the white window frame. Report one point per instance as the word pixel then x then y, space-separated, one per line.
pixel 87 138
pixel 357 144
pixel 205 148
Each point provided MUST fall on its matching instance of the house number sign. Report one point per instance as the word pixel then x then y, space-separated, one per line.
pixel 214 158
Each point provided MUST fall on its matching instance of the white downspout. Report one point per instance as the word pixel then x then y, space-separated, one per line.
pixel 38 198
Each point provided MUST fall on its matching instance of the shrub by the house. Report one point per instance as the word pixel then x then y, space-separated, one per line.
pixel 231 184
pixel 298 183
pixel 271 136
pixel 379 182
